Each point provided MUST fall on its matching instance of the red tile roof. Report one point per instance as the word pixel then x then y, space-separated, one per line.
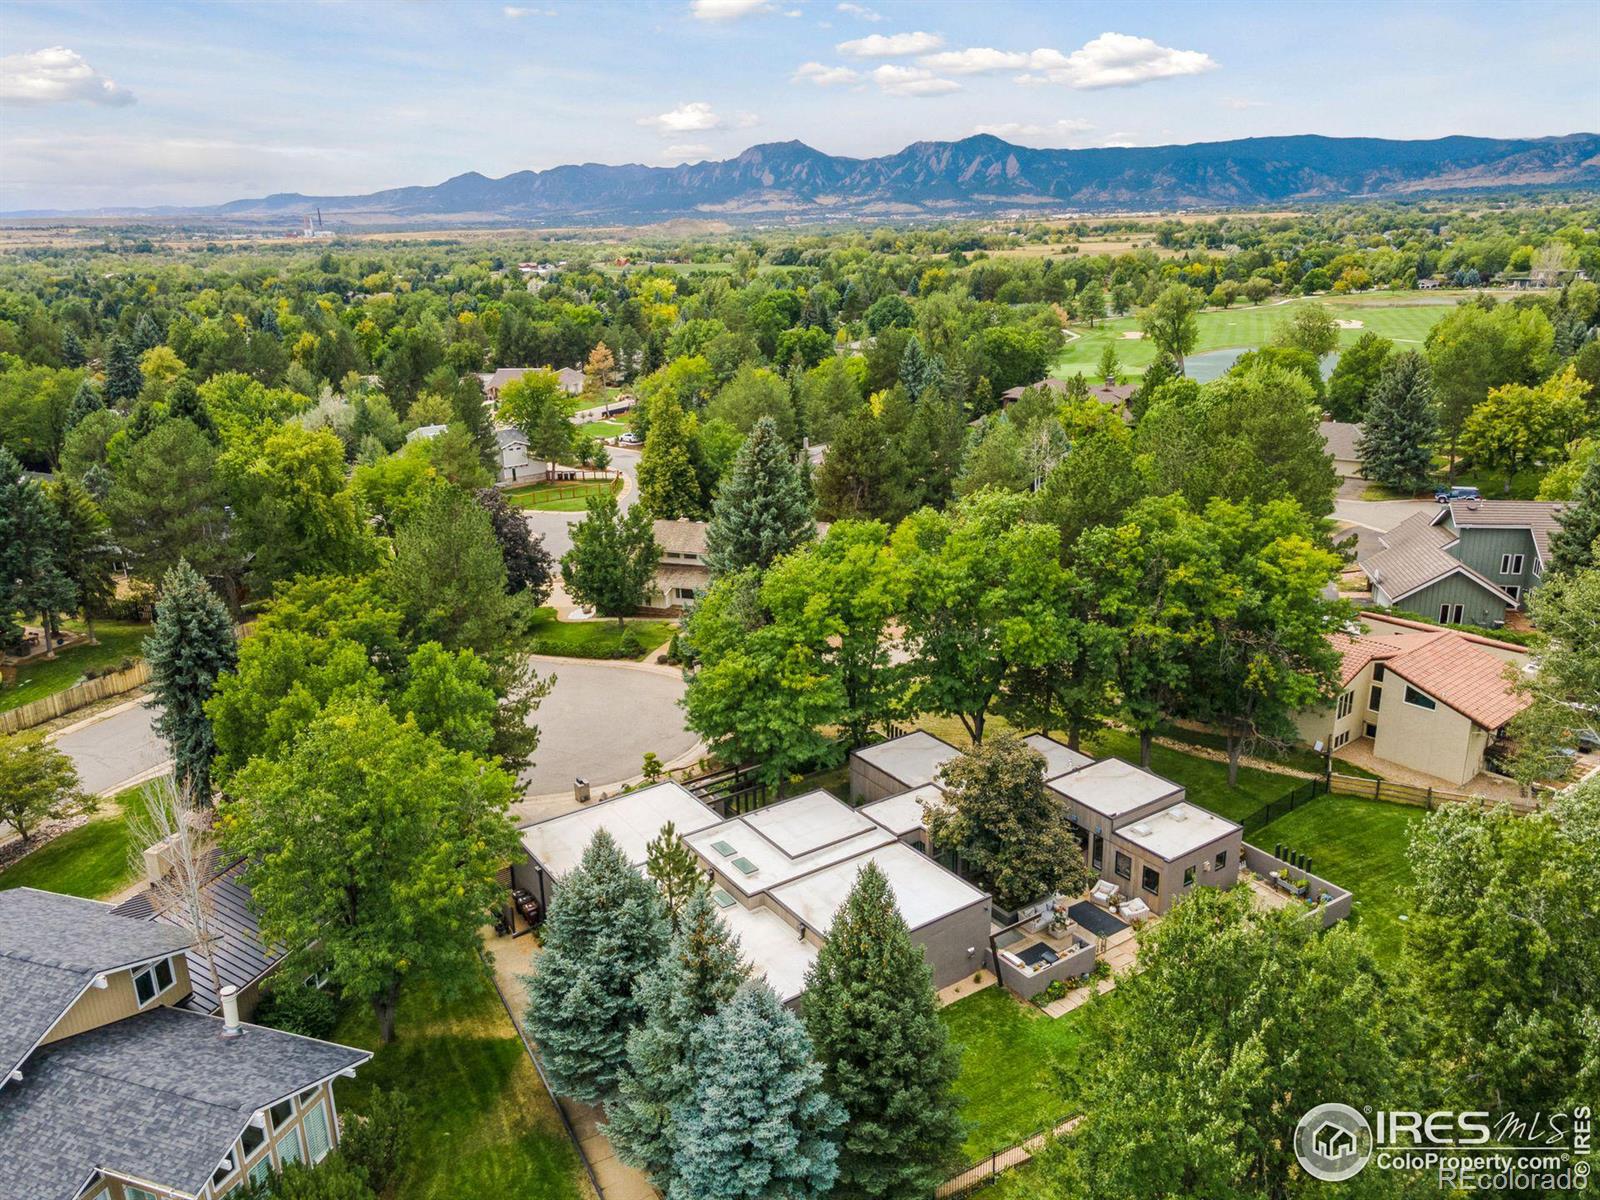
pixel 1447 665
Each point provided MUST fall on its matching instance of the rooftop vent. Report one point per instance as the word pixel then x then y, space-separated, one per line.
pixel 1141 829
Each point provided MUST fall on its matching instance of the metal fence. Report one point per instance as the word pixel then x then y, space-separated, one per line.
pixel 1304 793
pixel 986 1171
pixel 1385 790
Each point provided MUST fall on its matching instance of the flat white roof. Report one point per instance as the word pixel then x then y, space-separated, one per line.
pixel 902 814
pixel 772 947
pixel 1112 787
pixel 923 890
pixel 807 822
pixel 1177 831
pixel 633 819
pixel 1058 759
pixel 753 863
pixel 912 758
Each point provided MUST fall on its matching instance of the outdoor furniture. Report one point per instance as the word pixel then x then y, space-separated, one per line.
pixel 1134 910
pixel 1105 892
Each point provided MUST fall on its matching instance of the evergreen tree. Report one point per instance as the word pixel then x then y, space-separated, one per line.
pixel 761 511
pixel 193 643
pixel 146 334
pixel 123 377
pixel 669 466
pixel 32 580
pixel 184 402
pixel 674 868
pixel 605 929
pixel 84 401
pixel 85 549
pixel 699 974
pixel 874 1021
pixel 1396 446
pixel 759 1125
pixel 919 371
pixel 853 480
pixel 73 353
pixel 97 481
pixel 1572 546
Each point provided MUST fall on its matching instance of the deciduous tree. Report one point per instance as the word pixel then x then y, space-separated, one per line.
pixel 1170 322
pixel 38 783
pixel 612 564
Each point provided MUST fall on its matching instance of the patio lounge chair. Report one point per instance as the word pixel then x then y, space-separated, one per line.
pixel 1134 910
pixel 1105 893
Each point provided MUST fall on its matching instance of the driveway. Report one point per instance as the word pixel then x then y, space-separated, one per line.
pixel 598 723
pixel 1382 515
pixel 553 525
pixel 116 748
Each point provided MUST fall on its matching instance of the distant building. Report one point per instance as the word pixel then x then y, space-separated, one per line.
pixel 570 378
pixel 1341 438
pixel 1113 395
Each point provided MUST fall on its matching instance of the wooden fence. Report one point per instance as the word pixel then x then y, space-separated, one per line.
pixel 78 696
pixel 1424 797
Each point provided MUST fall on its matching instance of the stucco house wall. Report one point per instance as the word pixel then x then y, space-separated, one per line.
pixel 1438 741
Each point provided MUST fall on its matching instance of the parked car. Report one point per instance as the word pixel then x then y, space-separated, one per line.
pixel 1445 495
pixel 630 439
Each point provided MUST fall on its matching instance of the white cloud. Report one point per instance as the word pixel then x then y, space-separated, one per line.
pixel 684 152
pixel 686 118
pixel 912 81
pixel 56 76
pixel 1063 129
pixel 891 45
pixel 976 61
pixel 823 76
pixel 1121 60
pixel 860 12
pixel 726 10
pixel 1239 103
pixel 515 12
pixel 1120 141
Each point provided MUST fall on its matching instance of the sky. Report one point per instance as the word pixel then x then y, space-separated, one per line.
pixel 150 103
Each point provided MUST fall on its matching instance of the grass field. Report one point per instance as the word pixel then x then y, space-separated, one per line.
pixel 558 497
pixel 1406 317
pixel 1018 1067
pixel 603 429
pixel 118 640
pixel 597 638
pixel 90 861
pixel 484 1125
pixel 1360 845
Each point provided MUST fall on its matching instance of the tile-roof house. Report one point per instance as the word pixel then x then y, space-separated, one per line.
pixel 1113 395
pixel 1432 700
pixel 682 571
pixel 111 1091
pixel 1466 563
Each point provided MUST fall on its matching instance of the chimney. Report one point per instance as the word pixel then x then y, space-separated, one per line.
pixel 230 1011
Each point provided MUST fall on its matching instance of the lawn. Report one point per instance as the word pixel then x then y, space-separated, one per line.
pixel 89 861
pixel 1019 1068
pixel 1406 317
pixel 484 1124
pixel 558 497
pixel 603 429
pixel 119 640
pixel 1360 845
pixel 597 638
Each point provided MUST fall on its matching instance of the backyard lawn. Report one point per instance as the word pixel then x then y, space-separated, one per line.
pixel 1360 845
pixel 603 429
pixel 1019 1068
pixel 1406 317
pixel 89 861
pixel 484 1125
pixel 558 497
pixel 118 640
pixel 596 638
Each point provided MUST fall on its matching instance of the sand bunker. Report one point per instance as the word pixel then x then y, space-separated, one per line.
pixel 1348 324
pixel 1133 335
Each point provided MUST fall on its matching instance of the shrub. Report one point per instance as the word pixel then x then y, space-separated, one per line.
pixel 296 1008
pixel 332 1179
pixel 381 1143
pixel 629 645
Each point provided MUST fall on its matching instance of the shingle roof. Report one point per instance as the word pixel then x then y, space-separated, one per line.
pixel 1540 518
pixel 161 1096
pixel 1414 556
pixel 51 949
pixel 1341 438
pixel 681 536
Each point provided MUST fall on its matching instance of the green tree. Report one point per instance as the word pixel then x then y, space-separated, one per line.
pixel 1170 322
pixel 32 575
pixel 604 931
pixel 409 838
pixel 168 502
pixel 1095 483
pixel 1356 375
pixel 612 564
pixel 675 870
pixel 886 1057
pixel 670 466
pixel 1396 443
pixel 1473 350
pixel 1311 329
pixel 123 378
pixel 995 460
pixel 762 511
pixel 38 783
pixel 1576 544
pixel 1110 368
pixel 84 551
pixel 193 643
pixel 85 400
pixel 754 395
pixel 537 406
pixel 1565 690
pixel 530 567
pixel 854 481
pixel 1011 833
pixel 699 973
pixel 1516 426
pixel 759 1125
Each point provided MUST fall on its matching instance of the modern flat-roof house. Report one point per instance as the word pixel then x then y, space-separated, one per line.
pixel 682 572
pixel 1429 699
pixel 1466 563
pixel 780 875
pixel 113 1091
pixel 898 765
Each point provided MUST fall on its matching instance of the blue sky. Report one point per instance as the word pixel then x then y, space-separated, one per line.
pixel 152 103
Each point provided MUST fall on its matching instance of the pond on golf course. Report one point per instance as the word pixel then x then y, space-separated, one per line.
pixel 1213 364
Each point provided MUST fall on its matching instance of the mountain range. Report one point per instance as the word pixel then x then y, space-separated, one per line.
pixel 980 174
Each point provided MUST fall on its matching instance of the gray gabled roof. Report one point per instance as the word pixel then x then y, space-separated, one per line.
pixel 161 1097
pixel 1540 518
pixel 1415 554
pixel 52 947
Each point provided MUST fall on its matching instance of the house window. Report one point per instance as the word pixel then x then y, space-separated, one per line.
pixel 1123 866
pixel 1371 730
pixel 280 1113
pixel 1378 673
pixel 1150 880
pixel 1515 592
pixel 251 1138
pixel 1221 860
pixel 1347 703
pixel 1375 699
pixel 1450 614
pixel 316 1127
pixel 1099 857
pixel 222 1172
pixel 1341 739
pixel 1417 698
pixel 683 593
pixel 151 981
pixel 1188 877
pixel 1511 564
pixel 290 1150
pixel 133 1193
pixel 259 1172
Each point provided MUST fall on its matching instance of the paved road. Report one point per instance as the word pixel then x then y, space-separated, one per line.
pixel 115 748
pixel 600 720
pixel 553 525
pixel 1382 515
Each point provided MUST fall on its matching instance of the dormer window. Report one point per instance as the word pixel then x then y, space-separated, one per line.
pixel 149 982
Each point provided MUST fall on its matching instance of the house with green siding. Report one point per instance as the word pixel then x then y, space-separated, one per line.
pixel 1466 564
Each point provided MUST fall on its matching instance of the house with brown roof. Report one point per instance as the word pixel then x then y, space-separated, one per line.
pixel 1428 699
pixel 682 572
pixel 1114 396
pixel 1341 438
pixel 570 378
